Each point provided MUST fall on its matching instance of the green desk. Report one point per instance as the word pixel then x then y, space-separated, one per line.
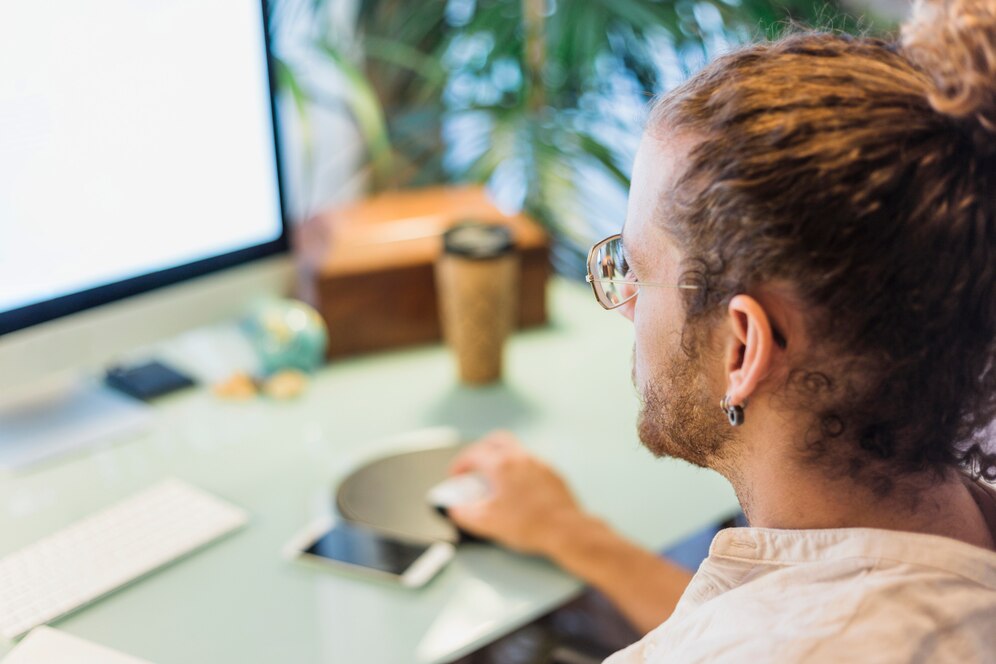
pixel 567 393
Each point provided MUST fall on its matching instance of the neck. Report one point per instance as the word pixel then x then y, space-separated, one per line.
pixel 777 493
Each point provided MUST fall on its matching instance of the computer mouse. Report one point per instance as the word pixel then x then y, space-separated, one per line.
pixel 459 490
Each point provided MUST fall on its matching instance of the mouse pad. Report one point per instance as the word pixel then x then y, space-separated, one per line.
pixel 389 494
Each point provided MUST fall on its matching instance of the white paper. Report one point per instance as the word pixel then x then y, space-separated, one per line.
pixel 44 645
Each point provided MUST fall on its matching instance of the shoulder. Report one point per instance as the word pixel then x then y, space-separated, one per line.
pixel 866 603
pixel 956 628
pixel 871 636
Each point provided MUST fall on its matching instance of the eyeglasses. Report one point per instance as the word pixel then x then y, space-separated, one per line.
pixel 610 277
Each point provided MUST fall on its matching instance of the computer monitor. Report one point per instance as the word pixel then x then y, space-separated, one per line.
pixel 140 195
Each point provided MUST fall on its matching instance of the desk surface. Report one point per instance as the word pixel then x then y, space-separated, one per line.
pixel 567 393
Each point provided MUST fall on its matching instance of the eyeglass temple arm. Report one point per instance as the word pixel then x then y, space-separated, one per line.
pixel 606 280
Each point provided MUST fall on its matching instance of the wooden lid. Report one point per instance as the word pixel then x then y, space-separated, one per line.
pixel 401 228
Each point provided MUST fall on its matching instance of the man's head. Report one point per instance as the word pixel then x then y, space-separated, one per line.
pixel 679 416
pixel 833 198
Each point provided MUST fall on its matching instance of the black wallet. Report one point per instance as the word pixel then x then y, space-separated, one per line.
pixel 147 381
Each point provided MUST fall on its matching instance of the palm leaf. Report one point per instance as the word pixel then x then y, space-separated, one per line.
pixel 539 136
pixel 366 111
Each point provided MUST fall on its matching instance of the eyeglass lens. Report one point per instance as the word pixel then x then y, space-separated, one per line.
pixel 609 263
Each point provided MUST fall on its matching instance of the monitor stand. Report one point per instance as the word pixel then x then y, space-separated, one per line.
pixel 62 417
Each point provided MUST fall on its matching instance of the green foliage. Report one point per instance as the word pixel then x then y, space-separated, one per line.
pixel 527 93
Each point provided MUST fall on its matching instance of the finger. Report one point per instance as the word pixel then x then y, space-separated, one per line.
pixel 469 517
pixel 483 453
pixel 501 438
pixel 468 459
pixel 493 467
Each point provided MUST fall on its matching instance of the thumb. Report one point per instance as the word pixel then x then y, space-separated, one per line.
pixel 467 516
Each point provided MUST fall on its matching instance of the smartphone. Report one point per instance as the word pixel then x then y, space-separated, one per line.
pixel 351 547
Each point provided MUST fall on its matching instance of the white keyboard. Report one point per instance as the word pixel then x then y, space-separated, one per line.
pixel 106 550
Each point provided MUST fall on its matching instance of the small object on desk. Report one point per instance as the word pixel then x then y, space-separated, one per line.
pixel 147 381
pixel 45 645
pixel 361 549
pixel 287 334
pixel 459 490
pixel 102 552
pixel 477 279
pixel 239 387
pixel 283 385
pixel 286 384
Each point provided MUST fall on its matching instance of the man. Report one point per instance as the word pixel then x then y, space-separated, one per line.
pixel 809 261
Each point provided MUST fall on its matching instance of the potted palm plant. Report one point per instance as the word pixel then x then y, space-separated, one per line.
pixel 541 100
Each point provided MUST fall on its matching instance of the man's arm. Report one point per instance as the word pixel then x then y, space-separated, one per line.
pixel 644 587
pixel 532 510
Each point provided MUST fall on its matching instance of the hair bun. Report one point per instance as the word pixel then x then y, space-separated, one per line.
pixel 954 42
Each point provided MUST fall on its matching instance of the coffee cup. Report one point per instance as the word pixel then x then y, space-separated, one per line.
pixel 477 277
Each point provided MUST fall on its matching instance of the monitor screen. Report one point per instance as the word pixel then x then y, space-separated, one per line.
pixel 137 149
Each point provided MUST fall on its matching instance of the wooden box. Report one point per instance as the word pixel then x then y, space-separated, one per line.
pixel 369 266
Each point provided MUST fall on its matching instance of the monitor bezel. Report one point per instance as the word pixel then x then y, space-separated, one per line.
pixel 38 313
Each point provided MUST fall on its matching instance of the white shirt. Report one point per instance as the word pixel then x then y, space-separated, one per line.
pixel 842 595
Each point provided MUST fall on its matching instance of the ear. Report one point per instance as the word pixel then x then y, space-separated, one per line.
pixel 748 358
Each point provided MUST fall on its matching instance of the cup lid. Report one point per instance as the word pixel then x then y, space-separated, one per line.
pixel 478 240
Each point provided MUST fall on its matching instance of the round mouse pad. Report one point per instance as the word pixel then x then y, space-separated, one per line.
pixel 389 494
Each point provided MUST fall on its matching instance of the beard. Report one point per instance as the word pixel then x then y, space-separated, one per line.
pixel 680 417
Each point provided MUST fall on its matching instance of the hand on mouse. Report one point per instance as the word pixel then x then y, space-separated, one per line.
pixel 529 508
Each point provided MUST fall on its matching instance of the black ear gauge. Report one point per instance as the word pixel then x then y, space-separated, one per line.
pixel 734 413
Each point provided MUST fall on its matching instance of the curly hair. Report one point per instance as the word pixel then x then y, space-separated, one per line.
pixel 862 172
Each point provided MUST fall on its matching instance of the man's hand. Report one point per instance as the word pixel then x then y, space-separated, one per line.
pixel 532 510
pixel 530 506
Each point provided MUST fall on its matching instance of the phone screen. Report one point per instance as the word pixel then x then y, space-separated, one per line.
pixel 355 545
